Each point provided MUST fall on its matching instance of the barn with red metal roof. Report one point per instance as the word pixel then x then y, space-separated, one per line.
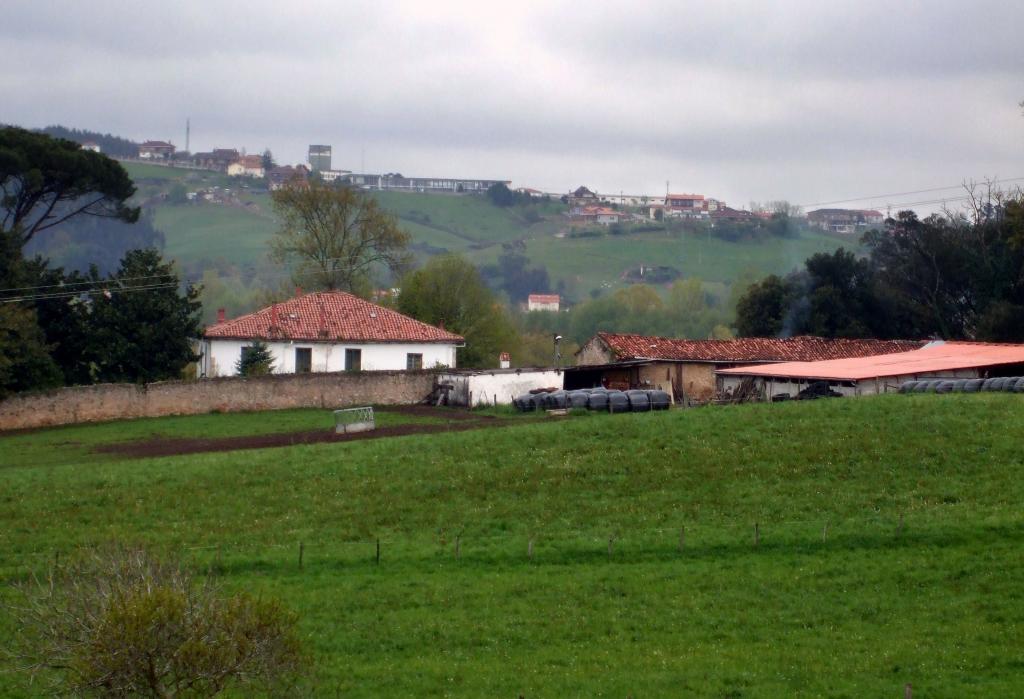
pixel 881 373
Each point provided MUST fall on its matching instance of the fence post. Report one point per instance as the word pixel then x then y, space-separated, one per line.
pixel 458 547
pixel 824 532
pixel 302 549
pixel 529 550
pixel 610 540
pixel 908 691
pixel 757 534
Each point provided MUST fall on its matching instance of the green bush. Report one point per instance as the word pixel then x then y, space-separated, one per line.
pixel 120 622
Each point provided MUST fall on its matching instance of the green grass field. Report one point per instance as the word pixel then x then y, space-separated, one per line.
pixel 836 600
pixel 211 232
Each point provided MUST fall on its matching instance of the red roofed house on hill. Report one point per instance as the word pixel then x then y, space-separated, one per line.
pixel 328 331
pixel 543 302
pixel 686 368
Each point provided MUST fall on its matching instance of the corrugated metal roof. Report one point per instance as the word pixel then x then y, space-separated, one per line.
pixel 329 316
pixel 750 349
pixel 930 359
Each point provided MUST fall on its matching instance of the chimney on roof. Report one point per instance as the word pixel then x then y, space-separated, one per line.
pixel 298 291
pixel 504 360
pixel 220 315
pixel 441 324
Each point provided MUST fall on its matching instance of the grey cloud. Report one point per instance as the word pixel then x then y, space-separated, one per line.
pixel 821 99
pixel 786 40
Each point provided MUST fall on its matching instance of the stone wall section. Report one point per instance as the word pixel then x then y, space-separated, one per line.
pixel 102 402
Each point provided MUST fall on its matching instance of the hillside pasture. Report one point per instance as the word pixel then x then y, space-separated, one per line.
pixel 838 548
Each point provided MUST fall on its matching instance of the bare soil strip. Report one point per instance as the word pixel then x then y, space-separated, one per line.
pixel 457 422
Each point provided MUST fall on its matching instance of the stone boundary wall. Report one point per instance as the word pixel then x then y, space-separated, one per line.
pixel 75 404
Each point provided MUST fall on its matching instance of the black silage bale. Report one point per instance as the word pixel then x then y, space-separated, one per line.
pixel 660 400
pixel 577 399
pixel 639 402
pixel 973 385
pixel 618 402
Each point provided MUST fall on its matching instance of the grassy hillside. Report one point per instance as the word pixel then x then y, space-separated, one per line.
pixel 836 600
pixel 472 226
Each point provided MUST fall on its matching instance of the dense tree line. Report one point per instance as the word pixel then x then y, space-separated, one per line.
pixel 500 195
pixel 114 146
pixel 514 275
pixel 951 277
pixel 58 327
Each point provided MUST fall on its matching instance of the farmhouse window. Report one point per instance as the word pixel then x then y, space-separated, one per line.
pixel 353 360
pixel 413 361
pixel 303 360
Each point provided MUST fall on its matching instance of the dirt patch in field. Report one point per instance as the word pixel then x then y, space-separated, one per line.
pixel 456 422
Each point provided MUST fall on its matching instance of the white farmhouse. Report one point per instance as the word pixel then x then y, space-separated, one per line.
pixel 328 331
pixel 543 302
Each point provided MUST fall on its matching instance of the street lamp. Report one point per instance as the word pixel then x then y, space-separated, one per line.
pixel 558 355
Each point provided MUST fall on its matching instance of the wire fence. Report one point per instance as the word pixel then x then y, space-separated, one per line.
pixel 551 546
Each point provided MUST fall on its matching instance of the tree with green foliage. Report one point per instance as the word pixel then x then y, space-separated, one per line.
pixel 500 195
pixel 336 237
pixel 45 181
pixel 256 360
pixel 449 291
pixel 760 312
pixel 178 194
pixel 119 622
pixel 141 328
pixel 267 161
pixel 25 361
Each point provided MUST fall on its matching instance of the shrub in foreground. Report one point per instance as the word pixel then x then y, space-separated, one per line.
pixel 121 622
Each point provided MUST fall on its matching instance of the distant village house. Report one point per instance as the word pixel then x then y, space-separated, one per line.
pixel 156 150
pixel 543 302
pixel 846 221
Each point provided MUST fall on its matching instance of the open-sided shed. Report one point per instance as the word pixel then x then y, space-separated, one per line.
pixel 879 373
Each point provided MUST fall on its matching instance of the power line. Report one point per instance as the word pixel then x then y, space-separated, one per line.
pixel 87 292
pixel 67 285
pixel 905 194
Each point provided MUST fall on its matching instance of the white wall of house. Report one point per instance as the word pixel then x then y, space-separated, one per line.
pixel 220 356
pixel 484 387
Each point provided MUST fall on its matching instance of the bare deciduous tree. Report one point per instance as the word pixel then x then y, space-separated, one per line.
pixel 336 237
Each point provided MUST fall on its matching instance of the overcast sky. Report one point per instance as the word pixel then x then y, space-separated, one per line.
pixel 806 101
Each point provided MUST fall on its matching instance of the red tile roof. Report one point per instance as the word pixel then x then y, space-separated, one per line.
pixel 750 349
pixel 329 316
pixel 933 358
pixel 544 298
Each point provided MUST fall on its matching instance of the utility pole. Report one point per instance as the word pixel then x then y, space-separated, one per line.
pixel 188 134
